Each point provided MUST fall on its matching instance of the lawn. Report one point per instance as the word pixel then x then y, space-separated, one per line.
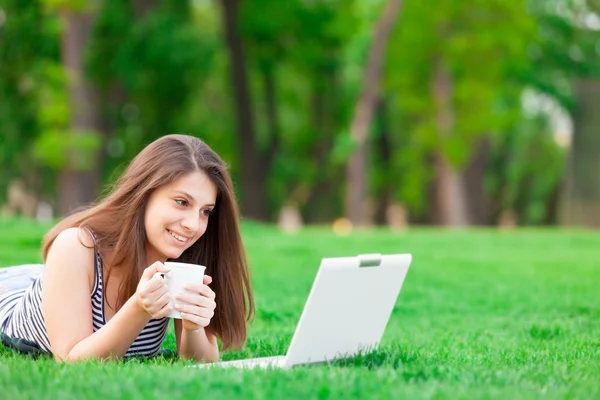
pixel 482 314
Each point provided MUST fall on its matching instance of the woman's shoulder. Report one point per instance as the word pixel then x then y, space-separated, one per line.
pixel 71 250
pixel 72 243
pixel 79 237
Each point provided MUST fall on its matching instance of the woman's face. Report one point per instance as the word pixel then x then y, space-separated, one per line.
pixel 177 215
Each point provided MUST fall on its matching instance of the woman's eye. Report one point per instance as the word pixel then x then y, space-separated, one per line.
pixel 181 202
pixel 206 213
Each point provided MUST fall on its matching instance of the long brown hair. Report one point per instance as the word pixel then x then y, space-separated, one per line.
pixel 117 222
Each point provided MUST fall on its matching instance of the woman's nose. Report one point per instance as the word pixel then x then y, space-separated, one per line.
pixel 192 224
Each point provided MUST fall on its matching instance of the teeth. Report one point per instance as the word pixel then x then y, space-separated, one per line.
pixel 180 238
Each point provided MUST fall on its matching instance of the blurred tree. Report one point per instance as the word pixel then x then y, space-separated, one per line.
pixel 113 25
pixel 524 172
pixel 253 162
pixel 147 59
pixel 569 50
pixel 356 178
pixel 26 46
pixel 563 51
pixel 208 115
pixel 294 85
pixel 299 102
pixel 448 126
pixel 80 176
pixel 160 64
pixel 582 205
pixel 448 102
pixel 334 81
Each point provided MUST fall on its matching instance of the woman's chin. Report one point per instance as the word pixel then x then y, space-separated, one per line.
pixel 173 254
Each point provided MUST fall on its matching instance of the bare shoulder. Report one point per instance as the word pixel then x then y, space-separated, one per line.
pixel 74 237
pixel 73 249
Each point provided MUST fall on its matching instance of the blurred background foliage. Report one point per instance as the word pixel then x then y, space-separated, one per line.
pixel 483 114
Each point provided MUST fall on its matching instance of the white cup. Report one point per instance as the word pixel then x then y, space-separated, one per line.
pixel 180 275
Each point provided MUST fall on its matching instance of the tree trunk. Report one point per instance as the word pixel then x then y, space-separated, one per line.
pixel 450 198
pixel 356 168
pixel 321 201
pixel 385 198
pixel 582 197
pixel 142 7
pixel 77 187
pixel 253 185
pixel 268 154
pixel 474 181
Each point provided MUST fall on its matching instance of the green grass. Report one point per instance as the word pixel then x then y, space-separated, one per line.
pixel 482 314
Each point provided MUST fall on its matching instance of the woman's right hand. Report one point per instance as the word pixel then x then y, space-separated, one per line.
pixel 152 293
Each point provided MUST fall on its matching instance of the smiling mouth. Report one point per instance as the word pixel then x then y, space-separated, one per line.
pixel 178 237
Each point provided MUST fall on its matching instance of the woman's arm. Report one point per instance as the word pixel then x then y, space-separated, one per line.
pixel 67 308
pixel 114 339
pixel 197 345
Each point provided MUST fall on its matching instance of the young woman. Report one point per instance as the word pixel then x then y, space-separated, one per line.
pixel 100 293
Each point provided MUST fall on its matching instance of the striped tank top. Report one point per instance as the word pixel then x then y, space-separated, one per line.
pixel 22 310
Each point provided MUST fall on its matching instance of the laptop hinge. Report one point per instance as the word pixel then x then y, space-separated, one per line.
pixel 369 260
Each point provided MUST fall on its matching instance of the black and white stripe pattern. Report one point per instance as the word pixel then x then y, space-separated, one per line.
pixel 21 312
pixel 149 341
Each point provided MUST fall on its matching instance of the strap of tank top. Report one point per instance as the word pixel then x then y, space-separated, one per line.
pixel 92 235
pixel 97 264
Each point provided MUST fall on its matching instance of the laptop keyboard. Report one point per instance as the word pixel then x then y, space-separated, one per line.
pixel 262 362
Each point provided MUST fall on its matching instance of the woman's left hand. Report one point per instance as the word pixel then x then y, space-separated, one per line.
pixel 197 305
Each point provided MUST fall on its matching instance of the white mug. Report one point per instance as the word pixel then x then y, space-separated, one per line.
pixel 180 275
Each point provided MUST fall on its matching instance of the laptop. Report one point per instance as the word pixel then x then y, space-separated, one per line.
pixel 346 313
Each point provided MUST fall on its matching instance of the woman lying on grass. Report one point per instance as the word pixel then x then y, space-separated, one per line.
pixel 100 293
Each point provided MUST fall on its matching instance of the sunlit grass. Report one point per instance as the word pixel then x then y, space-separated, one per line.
pixel 483 314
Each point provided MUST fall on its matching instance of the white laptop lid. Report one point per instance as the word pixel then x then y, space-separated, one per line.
pixel 348 307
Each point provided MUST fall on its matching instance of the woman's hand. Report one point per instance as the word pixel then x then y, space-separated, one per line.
pixel 152 292
pixel 196 305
